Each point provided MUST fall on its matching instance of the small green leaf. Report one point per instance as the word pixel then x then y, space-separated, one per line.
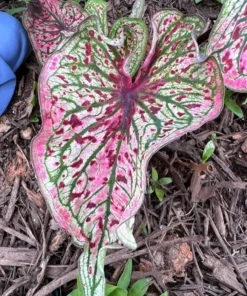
pixel 140 287
pixel 245 102
pixel 208 151
pixel 124 279
pixel 76 1
pixel 155 175
pixel 165 181
pixel 34 118
pixel 164 294
pixel 34 101
pixel 79 287
pixel 149 190
pixel 109 289
pixel 144 229
pixel 75 293
pixel 213 136
pixel 160 192
pixel 119 292
pixel 15 10
pixel 197 1
pixel 26 1
pixel 232 106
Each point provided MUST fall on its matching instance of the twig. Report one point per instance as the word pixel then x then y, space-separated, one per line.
pixel 196 262
pixel 13 198
pixel 40 275
pixel 20 282
pixel 225 168
pixel 226 250
pixel 17 234
pixel 18 146
pixel 231 185
pixel 46 290
pixel 132 254
pixel 16 256
pixel 5 136
pixel 175 175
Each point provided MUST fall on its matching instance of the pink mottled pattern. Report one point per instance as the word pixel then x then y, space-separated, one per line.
pixel 228 44
pixel 49 23
pixel 101 127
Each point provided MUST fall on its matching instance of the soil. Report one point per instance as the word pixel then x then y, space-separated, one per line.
pixel 192 243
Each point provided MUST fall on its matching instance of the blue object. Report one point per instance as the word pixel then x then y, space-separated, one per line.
pixel 14 49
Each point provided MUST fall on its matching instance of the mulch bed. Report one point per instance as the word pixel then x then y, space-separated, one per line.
pixel 192 243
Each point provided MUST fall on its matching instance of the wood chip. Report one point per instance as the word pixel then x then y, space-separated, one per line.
pixel 218 218
pixel 27 133
pixel 244 146
pixel 239 135
pixel 180 255
pixel 57 241
pixel 4 128
pixel 223 273
pixel 35 197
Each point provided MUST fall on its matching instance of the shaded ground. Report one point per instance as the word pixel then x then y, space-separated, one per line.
pixel 193 243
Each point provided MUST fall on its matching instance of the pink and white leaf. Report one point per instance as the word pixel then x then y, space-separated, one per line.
pixel 100 127
pixel 98 8
pixel 134 48
pixel 50 23
pixel 228 43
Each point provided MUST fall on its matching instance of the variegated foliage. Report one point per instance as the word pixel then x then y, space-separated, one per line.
pixel 103 118
pixel 49 23
pixel 228 43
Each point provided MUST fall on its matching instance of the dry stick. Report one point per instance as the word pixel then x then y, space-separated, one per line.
pixel 25 256
pixel 227 251
pixel 5 136
pixel 231 185
pixel 16 256
pixel 225 168
pixel 192 245
pixel 17 234
pixel 39 276
pixel 144 241
pixel 196 262
pixel 72 274
pixel 20 282
pixel 13 198
pixel 233 205
pixel 46 290
pixel 165 244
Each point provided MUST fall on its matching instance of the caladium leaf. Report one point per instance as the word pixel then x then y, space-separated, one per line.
pixel 101 127
pixel 131 54
pixel 138 9
pixel 98 8
pixel 49 23
pixel 228 43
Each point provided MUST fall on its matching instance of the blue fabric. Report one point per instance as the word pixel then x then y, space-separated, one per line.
pixel 7 85
pixel 14 48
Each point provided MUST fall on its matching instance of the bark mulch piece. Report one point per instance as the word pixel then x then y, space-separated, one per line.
pixel 192 243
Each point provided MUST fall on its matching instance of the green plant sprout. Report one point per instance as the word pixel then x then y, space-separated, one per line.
pixel 208 149
pixel 157 184
pixel 79 290
pixel 233 106
pixel 139 288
